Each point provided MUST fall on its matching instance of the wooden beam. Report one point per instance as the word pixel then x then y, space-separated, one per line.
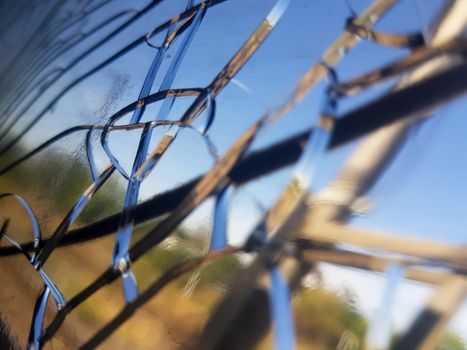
pixel 451 255
pixel 377 264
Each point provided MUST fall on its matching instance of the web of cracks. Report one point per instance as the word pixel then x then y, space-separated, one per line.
pixel 329 131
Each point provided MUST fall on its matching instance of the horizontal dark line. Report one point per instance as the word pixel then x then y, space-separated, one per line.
pixel 389 108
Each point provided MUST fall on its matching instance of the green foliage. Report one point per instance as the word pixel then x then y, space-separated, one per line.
pixel 453 342
pixel 59 180
pixel 322 317
pixel 220 271
pixel 183 247
pixel 163 258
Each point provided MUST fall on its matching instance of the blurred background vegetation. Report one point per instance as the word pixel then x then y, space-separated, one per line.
pixel 324 319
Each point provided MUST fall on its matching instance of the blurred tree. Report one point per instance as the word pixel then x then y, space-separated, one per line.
pixel 323 316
